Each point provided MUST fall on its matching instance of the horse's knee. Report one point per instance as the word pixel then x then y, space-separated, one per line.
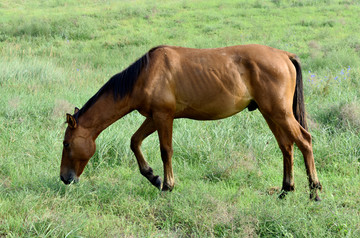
pixel 134 143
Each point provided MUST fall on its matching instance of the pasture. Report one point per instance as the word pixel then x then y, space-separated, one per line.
pixel 54 55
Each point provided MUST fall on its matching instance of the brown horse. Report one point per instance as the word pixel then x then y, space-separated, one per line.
pixel 203 84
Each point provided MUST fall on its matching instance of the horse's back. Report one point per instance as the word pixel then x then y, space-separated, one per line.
pixel 212 83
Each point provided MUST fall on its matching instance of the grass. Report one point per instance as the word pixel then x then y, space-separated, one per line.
pixel 56 54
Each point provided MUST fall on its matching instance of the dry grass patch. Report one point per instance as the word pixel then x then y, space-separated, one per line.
pixel 350 115
pixel 61 108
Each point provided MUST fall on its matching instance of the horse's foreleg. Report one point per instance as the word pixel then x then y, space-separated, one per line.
pixel 146 129
pixel 164 126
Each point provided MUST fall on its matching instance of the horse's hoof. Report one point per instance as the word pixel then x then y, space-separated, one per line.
pixel 156 181
pixel 166 187
pixel 316 199
pixel 282 194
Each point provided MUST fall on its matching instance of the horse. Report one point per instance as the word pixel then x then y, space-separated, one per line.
pixel 170 82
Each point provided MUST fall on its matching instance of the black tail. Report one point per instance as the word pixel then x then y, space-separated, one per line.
pixel 298 101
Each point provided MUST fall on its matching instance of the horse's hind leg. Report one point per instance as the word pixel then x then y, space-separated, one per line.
pixel 296 133
pixel 304 144
pixel 146 129
pixel 286 146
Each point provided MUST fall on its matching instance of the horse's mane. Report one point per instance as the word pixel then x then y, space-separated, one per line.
pixel 120 84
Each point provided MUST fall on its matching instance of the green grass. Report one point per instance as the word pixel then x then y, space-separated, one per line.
pixel 55 55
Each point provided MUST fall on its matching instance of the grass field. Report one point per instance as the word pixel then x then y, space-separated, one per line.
pixel 56 54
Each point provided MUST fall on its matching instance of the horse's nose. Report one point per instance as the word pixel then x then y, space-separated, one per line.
pixel 66 181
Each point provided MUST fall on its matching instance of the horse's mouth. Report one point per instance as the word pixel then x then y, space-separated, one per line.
pixel 69 180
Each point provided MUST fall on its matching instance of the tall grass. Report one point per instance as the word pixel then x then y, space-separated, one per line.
pixel 57 54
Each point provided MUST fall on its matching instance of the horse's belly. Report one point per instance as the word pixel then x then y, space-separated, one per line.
pixel 211 109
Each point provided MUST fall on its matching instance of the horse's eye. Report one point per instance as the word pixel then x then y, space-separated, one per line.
pixel 66 144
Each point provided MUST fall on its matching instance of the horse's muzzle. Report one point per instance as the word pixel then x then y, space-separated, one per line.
pixel 69 179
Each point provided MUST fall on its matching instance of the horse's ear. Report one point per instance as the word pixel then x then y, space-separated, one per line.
pixel 71 121
pixel 76 110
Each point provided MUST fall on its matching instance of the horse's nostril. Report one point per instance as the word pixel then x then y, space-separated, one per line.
pixel 64 180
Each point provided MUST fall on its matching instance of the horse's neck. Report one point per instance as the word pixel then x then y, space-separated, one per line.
pixel 103 113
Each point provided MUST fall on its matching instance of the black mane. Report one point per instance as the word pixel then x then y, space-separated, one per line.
pixel 120 84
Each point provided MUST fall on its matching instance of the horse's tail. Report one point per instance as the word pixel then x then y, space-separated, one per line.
pixel 298 101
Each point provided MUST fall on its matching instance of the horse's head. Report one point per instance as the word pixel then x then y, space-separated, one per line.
pixel 78 147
